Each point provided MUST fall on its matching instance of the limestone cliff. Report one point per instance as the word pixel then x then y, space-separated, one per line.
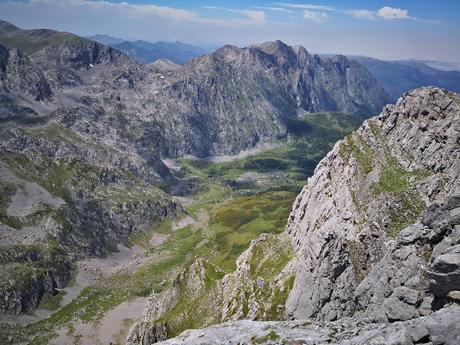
pixel 371 186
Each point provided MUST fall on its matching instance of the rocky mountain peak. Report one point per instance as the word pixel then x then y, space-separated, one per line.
pixel 165 65
pixel 227 53
pixel 276 47
pixel 284 55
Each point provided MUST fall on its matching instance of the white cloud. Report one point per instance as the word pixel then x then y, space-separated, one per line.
pixel 386 13
pixel 315 16
pixel 127 8
pixel 253 16
pixel 307 6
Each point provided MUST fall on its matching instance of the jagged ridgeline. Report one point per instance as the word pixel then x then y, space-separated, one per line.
pixel 373 236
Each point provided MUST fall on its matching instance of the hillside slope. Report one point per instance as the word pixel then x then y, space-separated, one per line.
pixel 31 41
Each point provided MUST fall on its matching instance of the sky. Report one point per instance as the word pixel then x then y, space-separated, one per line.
pixel 419 29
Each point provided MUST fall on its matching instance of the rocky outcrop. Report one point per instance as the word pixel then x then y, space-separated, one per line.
pixel 202 294
pixel 419 269
pixel 438 328
pixel 18 75
pixel 26 279
pixel 360 246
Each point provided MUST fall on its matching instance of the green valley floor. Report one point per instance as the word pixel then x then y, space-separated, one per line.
pixel 227 203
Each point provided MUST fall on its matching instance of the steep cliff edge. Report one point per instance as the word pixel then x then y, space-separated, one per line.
pixel 371 186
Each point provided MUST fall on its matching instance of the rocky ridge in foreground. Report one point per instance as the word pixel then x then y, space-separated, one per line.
pixel 362 207
pixel 440 327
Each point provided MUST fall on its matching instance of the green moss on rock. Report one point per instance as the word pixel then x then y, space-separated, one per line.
pixel 355 147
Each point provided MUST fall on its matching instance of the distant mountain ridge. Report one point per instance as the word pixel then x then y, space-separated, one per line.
pixel 397 77
pixel 217 104
pixel 106 39
pixel 147 52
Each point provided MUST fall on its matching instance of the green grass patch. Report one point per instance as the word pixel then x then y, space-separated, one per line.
pixel 410 207
pixel 400 184
pixel 271 336
pixel 269 258
pixel 52 302
pixel 355 147
pixel 242 219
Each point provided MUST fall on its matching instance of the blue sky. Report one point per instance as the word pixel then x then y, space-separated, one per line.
pixel 420 29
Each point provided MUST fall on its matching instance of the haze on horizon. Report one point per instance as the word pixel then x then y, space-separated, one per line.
pixel 422 30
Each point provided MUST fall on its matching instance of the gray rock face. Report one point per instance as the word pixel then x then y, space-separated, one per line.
pixel 351 225
pixel 259 88
pixel 413 277
pixel 444 274
pixel 20 76
pixel 438 328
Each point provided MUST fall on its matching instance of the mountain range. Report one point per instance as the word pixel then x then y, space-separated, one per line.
pixel 397 77
pixel 147 52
